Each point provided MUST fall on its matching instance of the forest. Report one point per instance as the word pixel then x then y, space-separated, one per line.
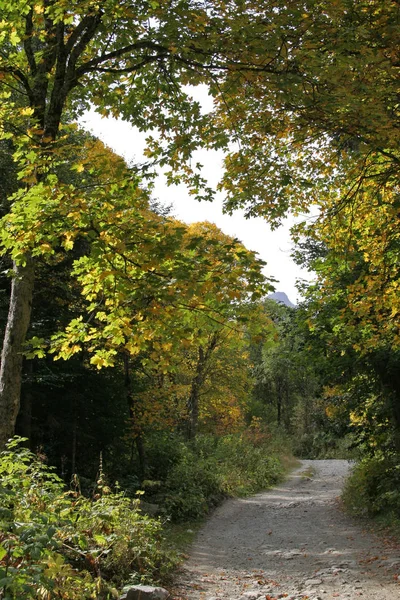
pixel 145 374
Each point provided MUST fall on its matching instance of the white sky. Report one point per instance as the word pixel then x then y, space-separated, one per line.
pixel 274 247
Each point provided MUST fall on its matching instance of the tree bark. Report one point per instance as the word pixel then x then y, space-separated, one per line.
pixel 138 437
pixel 24 420
pixel 193 400
pixel 13 345
pixel 197 384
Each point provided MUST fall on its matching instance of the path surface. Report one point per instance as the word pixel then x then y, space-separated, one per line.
pixel 291 542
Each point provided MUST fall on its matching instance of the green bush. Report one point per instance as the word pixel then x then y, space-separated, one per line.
pixel 323 445
pixel 163 451
pixel 192 486
pixel 212 468
pixel 56 543
pixel 374 487
pixel 246 468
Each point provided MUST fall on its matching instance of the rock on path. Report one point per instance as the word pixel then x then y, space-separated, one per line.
pixel 290 542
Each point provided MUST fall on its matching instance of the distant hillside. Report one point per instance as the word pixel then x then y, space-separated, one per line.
pixel 282 298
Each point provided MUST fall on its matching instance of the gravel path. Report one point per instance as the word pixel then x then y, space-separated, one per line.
pixel 291 542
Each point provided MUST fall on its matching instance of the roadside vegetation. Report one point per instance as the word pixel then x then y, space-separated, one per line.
pixel 57 542
pixel 372 491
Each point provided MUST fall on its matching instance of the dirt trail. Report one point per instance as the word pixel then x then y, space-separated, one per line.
pixel 291 542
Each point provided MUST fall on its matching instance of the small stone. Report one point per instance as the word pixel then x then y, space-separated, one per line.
pixel 313 582
pixel 146 592
pixel 394 563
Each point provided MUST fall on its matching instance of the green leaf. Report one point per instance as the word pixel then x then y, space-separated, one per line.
pixel 3 552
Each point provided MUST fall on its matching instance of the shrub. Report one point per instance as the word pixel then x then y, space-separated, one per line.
pixel 163 451
pixel 211 468
pixel 246 468
pixel 374 486
pixel 192 486
pixel 55 543
pixel 324 445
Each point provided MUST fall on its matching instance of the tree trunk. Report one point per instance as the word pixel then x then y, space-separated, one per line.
pixel 279 406
pixel 73 447
pixel 24 421
pixel 193 400
pixel 279 411
pixel 13 345
pixel 139 442
pixel 396 419
pixel 197 383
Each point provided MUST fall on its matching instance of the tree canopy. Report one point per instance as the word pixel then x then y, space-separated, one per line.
pixel 306 109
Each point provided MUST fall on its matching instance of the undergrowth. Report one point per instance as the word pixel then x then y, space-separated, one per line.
pixel 373 489
pixel 56 543
pixel 325 445
pixel 202 473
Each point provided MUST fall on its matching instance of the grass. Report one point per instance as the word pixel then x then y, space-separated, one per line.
pixel 180 536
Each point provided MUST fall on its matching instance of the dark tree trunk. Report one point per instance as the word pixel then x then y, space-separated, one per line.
pixel 13 346
pixel 73 447
pixel 396 420
pixel 287 411
pixel 139 443
pixel 193 401
pixel 279 409
pixel 197 383
pixel 24 422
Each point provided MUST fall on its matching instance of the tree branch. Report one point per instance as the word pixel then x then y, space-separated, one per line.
pixel 88 33
pixel 131 69
pixel 28 42
pixel 19 75
pixel 78 31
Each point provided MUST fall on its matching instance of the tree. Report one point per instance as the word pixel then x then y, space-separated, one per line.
pixel 285 371
pixel 318 113
pixel 353 311
pixel 295 124
pixel 129 59
pixel 196 287
pixel 207 388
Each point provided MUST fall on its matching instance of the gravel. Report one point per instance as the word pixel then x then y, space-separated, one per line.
pixel 291 542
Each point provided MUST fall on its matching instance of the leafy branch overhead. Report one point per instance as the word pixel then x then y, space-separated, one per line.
pixel 132 60
pixel 305 107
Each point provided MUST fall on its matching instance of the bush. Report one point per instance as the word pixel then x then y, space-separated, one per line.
pixel 192 487
pixel 55 543
pixel 247 468
pixel 210 469
pixel 323 445
pixel 374 487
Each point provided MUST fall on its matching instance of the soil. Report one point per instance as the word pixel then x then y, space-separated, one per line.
pixel 293 542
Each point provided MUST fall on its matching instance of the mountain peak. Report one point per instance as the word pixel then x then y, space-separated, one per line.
pixel 282 298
